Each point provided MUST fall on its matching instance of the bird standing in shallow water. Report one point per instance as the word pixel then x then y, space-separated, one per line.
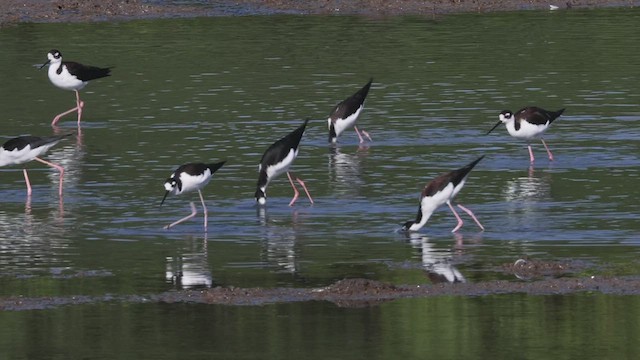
pixel 345 114
pixel 440 191
pixel 69 75
pixel 528 123
pixel 23 149
pixel 276 160
pixel 190 177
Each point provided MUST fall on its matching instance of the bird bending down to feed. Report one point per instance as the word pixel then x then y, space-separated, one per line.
pixel 528 123
pixel 69 75
pixel 190 177
pixel 440 191
pixel 276 160
pixel 23 149
pixel 345 114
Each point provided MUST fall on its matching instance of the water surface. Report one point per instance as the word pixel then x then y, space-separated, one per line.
pixel 226 88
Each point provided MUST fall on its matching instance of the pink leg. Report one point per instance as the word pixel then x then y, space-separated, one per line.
pixel 60 168
pixel 364 132
pixel 358 132
pixel 305 189
pixel 460 222
pixel 193 213
pixel 78 108
pixel 204 209
pixel 548 151
pixel 296 193
pixel 79 105
pixel 472 216
pixel 26 180
pixel 531 153
pixel 367 135
pixel 59 116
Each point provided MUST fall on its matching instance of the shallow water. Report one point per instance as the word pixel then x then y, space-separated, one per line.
pixel 225 88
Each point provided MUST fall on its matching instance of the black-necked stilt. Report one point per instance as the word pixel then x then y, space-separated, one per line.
pixel 190 177
pixel 68 75
pixel 23 149
pixel 276 160
pixel 440 191
pixel 345 114
pixel 528 123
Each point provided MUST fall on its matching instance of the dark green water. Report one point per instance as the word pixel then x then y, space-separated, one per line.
pixel 226 88
pixel 515 326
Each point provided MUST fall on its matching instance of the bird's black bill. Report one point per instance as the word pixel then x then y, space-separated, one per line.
pixel 164 198
pixel 45 64
pixel 494 127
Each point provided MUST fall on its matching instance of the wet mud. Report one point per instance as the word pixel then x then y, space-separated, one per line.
pixel 355 292
pixel 18 11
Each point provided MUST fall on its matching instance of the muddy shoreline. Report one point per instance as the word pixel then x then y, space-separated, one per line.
pixel 344 293
pixel 39 11
pixel 530 277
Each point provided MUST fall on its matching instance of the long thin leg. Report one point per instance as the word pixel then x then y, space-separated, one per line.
pixel 358 132
pixel 362 131
pixel 59 116
pixel 460 222
pixel 531 154
pixel 296 193
pixel 548 151
pixel 26 180
pixel 78 108
pixel 472 216
pixel 79 105
pixel 305 189
pixel 204 209
pixel 193 213
pixel 60 168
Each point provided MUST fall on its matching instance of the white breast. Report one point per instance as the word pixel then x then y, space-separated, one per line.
pixel 527 130
pixel 343 124
pixel 282 166
pixel 22 156
pixel 64 80
pixel 194 182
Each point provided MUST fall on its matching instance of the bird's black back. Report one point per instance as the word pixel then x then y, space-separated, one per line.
pixel 454 177
pixel 85 72
pixel 195 169
pixel 351 104
pixel 536 116
pixel 281 148
pixel 20 142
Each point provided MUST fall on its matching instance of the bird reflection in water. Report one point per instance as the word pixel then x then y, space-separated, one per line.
pixel 345 171
pixel 71 158
pixel 189 269
pixel 524 197
pixel 438 262
pixel 280 248
pixel 528 188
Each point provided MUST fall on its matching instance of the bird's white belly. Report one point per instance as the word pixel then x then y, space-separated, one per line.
pixel 65 80
pixel 527 130
pixel 429 204
pixel 343 124
pixel 192 183
pixel 22 156
pixel 282 166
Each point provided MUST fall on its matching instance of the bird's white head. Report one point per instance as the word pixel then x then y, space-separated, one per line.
pixel 261 196
pixel 172 186
pixel 506 116
pixel 53 57
pixel 410 226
